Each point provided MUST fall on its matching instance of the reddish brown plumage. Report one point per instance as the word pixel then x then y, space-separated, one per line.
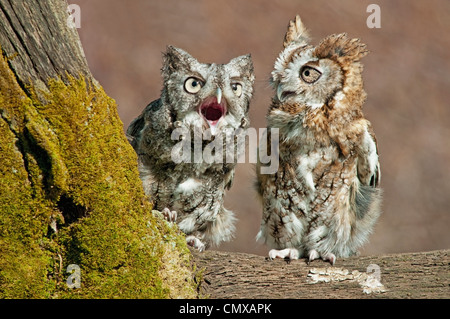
pixel 322 201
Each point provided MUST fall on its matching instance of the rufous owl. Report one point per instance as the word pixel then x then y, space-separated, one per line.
pixel 325 199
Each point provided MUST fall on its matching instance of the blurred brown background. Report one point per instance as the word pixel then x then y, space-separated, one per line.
pixel 407 78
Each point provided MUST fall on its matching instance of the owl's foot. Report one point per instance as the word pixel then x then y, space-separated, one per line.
pixel 196 243
pixel 287 253
pixel 313 254
pixel 170 216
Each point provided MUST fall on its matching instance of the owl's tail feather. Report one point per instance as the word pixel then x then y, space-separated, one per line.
pixel 367 202
pixel 222 229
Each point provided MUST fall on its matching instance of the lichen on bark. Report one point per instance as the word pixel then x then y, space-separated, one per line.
pixel 70 193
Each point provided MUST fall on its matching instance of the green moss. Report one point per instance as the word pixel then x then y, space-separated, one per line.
pixel 23 217
pixel 67 163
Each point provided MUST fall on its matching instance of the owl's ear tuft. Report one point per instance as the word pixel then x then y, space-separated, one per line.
pixel 245 64
pixel 175 59
pixel 296 33
pixel 340 47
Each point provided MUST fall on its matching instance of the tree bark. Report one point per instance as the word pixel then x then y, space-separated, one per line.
pixel 70 193
pixel 239 275
pixel 38 43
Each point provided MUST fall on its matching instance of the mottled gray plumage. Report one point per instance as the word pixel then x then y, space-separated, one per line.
pixel 325 198
pixel 196 98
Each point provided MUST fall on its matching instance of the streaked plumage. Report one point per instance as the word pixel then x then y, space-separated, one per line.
pixel 195 97
pixel 325 198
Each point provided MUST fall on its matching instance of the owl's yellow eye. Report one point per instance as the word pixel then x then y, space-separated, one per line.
pixel 237 89
pixel 193 85
pixel 309 74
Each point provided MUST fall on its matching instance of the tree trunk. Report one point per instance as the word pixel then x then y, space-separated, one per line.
pixel 38 43
pixel 70 192
pixel 413 275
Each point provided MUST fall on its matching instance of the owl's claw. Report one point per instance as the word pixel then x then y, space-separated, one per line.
pixel 196 243
pixel 330 257
pixel 313 254
pixel 170 216
pixel 287 253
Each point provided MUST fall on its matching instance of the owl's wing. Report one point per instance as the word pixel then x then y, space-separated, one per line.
pixel 229 178
pixel 136 126
pixel 368 163
pixel 134 129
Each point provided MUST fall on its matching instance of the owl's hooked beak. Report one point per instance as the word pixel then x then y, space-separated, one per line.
pixel 213 109
pixel 281 94
pixel 219 95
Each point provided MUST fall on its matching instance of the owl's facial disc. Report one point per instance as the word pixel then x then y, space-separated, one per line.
pixel 213 109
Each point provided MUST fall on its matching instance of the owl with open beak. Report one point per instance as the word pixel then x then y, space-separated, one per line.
pixel 201 107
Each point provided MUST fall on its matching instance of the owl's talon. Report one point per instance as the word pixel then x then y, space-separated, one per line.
pixel 170 216
pixel 196 243
pixel 313 254
pixel 330 257
pixel 288 253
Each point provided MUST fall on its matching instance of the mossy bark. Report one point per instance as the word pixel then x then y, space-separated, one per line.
pixel 70 192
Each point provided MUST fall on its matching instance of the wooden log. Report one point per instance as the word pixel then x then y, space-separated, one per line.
pixel 240 275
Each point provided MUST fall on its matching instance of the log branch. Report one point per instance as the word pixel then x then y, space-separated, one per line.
pixel 239 275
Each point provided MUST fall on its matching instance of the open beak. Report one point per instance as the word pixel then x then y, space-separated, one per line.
pixel 213 110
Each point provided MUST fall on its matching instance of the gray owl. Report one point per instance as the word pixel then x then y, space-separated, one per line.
pixel 200 109
pixel 325 198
